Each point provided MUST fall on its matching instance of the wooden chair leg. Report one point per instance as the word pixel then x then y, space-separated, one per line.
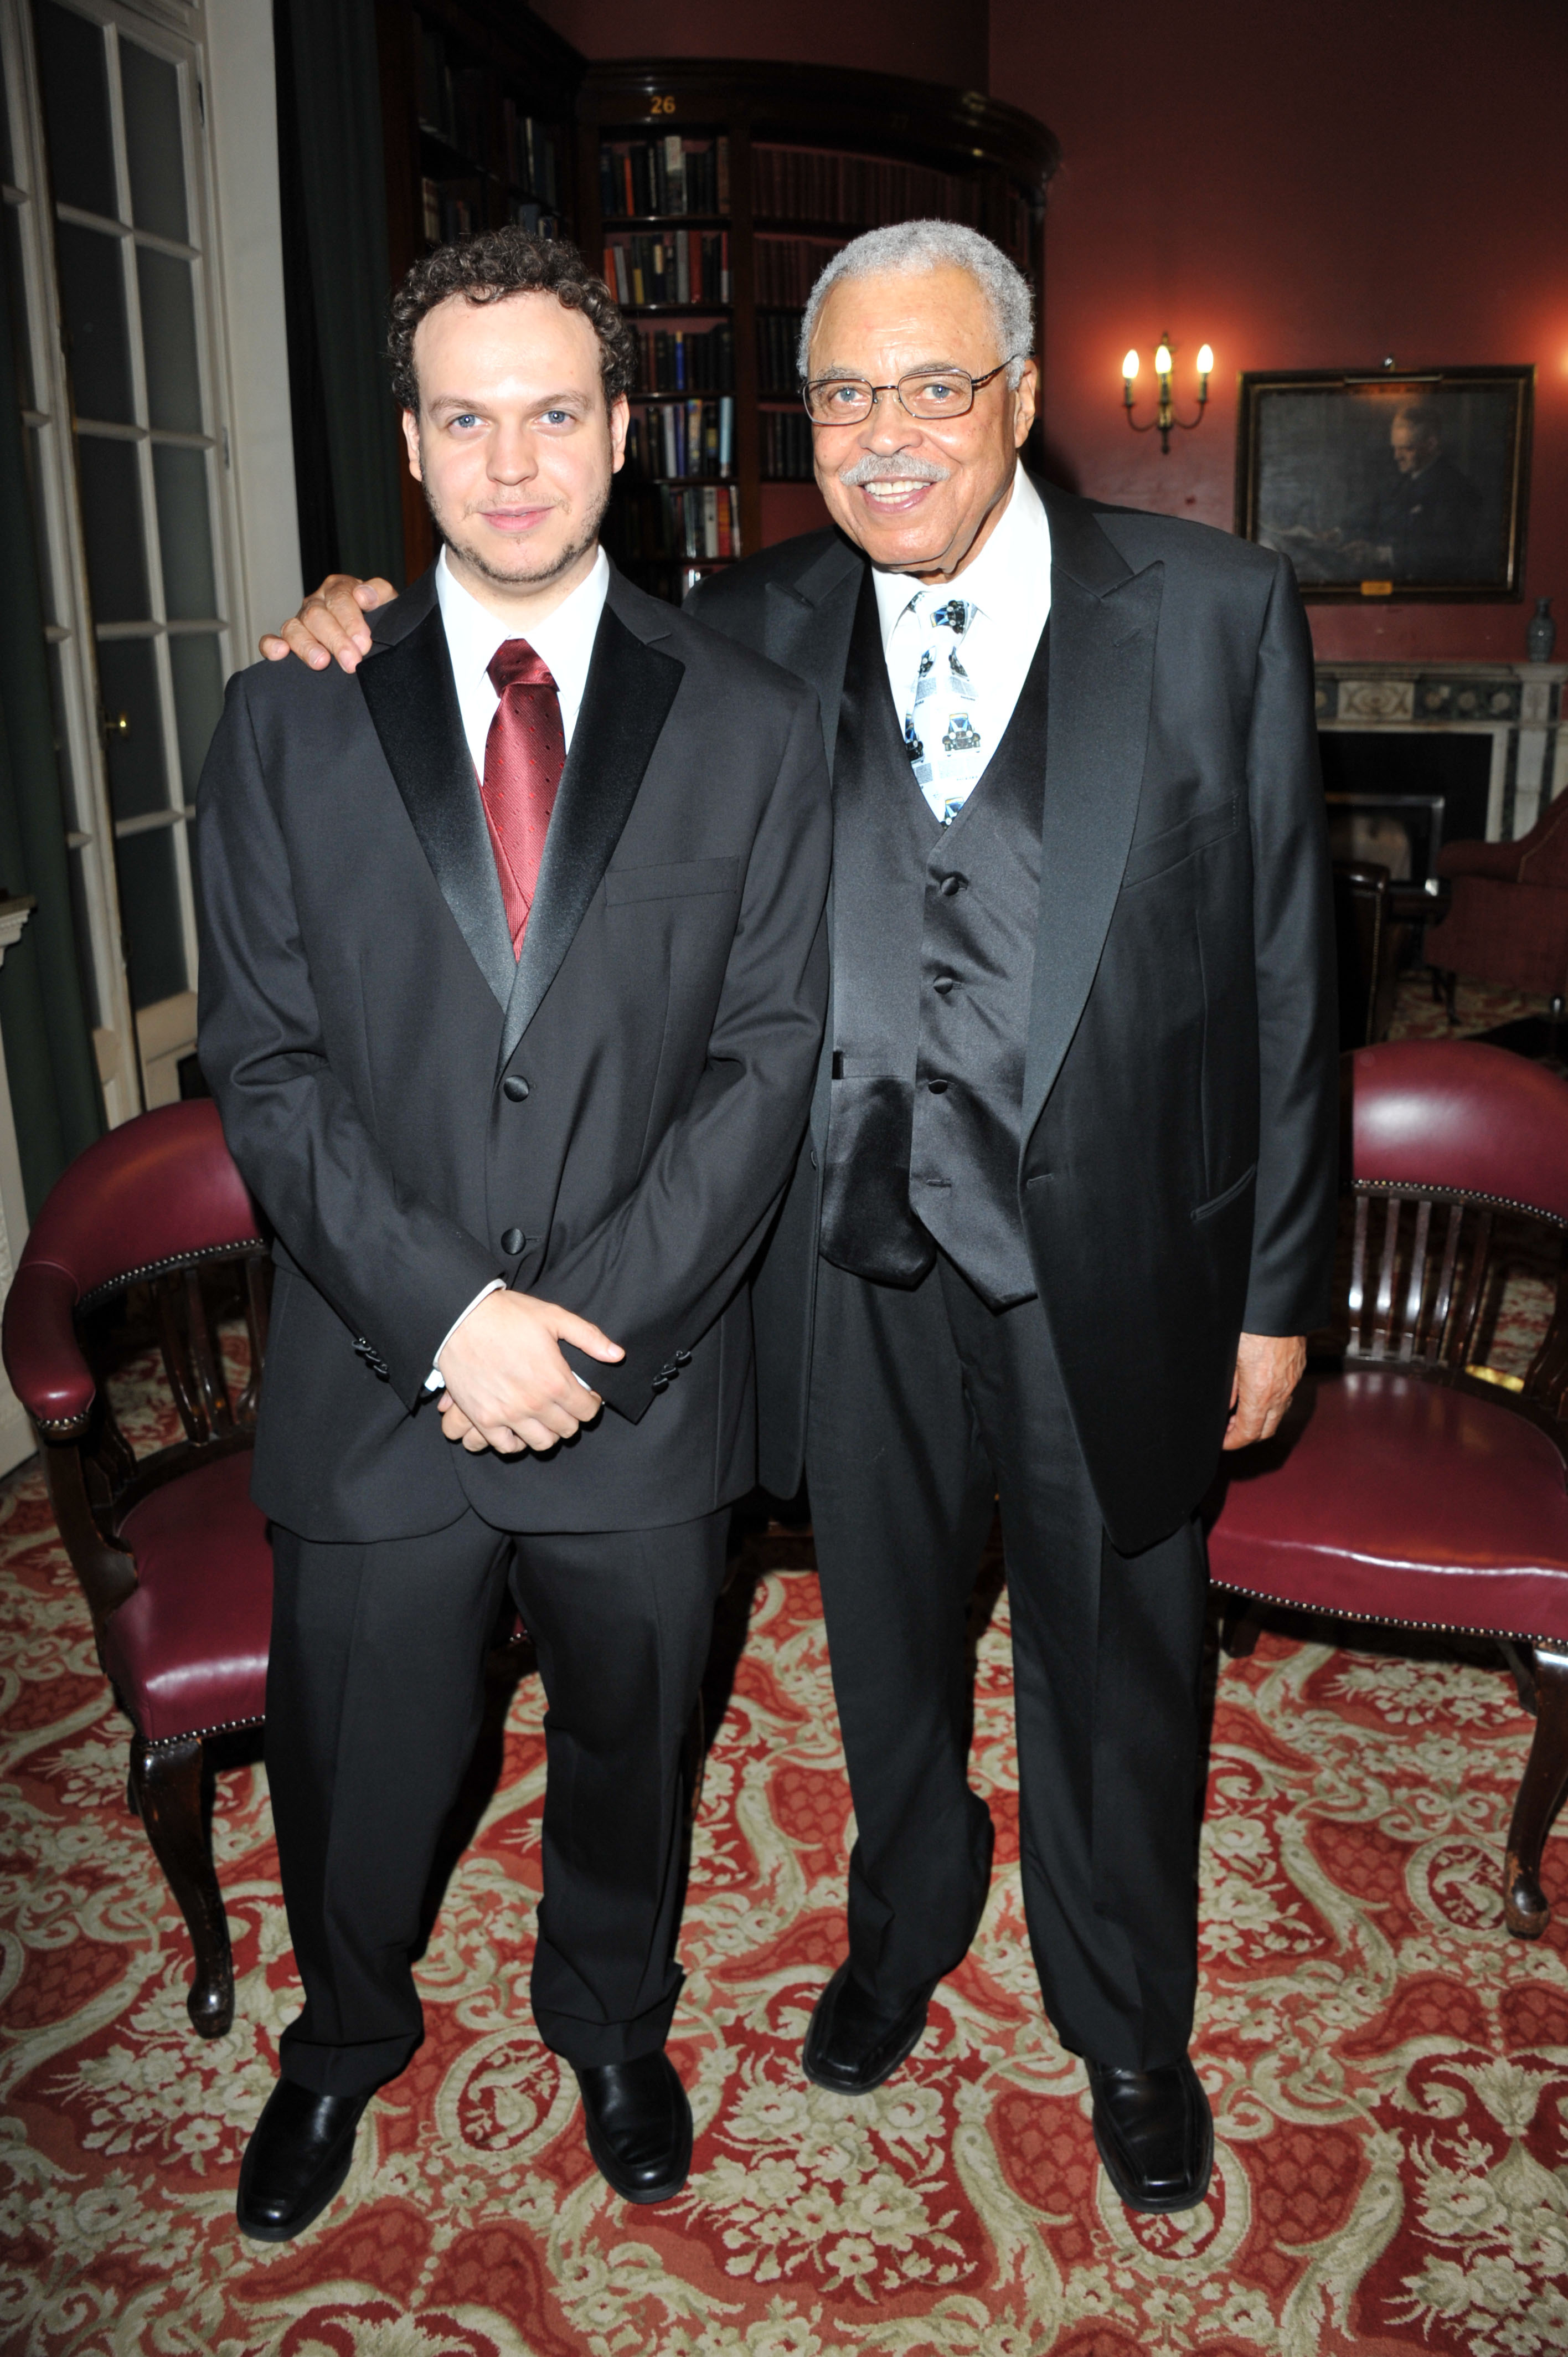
pixel 1240 1628
pixel 1541 1793
pixel 166 1786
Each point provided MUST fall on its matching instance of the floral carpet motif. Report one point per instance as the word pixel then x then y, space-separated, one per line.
pixel 1389 2071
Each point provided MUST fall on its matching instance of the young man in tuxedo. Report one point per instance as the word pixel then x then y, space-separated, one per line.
pixel 512 985
pixel 1066 1207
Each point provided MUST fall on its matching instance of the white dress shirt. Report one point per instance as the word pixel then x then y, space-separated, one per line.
pixel 1009 585
pixel 564 641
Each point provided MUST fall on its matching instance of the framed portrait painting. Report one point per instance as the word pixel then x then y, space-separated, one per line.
pixel 1401 487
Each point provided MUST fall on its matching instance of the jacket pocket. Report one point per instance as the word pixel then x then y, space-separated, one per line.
pixel 1174 844
pixel 1218 1202
pixel 683 875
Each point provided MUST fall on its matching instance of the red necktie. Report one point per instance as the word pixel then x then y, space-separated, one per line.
pixel 525 753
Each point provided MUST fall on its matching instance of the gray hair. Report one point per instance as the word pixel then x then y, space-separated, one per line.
pixel 911 247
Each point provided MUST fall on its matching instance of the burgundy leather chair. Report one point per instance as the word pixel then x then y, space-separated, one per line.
pixel 172 1557
pixel 1508 921
pixel 1402 1490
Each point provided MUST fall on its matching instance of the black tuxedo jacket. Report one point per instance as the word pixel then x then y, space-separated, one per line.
pixel 1178 1168
pixel 608 1121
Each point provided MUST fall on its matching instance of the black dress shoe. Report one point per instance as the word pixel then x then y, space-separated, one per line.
pixel 852 2046
pixel 297 2158
pixel 1155 2135
pixel 640 2126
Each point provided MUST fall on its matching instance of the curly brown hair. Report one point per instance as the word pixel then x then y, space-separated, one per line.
pixel 490 266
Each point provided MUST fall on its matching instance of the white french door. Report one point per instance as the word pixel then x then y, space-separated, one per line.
pixel 107 217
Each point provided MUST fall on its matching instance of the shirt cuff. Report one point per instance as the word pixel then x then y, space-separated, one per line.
pixel 436 1381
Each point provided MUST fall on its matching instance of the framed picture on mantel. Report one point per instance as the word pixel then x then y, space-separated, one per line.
pixel 1400 487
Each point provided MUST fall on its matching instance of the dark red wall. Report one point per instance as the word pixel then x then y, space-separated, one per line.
pixel 1307 185
pixel 1304 186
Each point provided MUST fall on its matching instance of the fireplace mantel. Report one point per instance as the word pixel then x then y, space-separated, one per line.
pixel 1519 705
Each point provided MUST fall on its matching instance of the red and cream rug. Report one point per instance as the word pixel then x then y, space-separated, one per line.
pixel 1389 2071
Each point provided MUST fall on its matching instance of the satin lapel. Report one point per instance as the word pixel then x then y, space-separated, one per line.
pixel 809 626
pixel 408 690
pixel 626 701
pixel 1101 675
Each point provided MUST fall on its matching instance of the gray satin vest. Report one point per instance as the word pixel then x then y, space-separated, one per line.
pixel 933 962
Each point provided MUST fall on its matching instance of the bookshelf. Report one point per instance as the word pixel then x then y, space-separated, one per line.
pixel 712 192
pixel 797 160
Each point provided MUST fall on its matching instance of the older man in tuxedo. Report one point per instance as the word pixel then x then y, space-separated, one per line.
pixel 512 983
pixel 1065 1209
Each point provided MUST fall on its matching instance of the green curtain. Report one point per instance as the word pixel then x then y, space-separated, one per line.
pixel 331 151
pixel 48 1044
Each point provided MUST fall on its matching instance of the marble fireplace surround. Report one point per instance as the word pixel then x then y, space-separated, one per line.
pixel 1520 706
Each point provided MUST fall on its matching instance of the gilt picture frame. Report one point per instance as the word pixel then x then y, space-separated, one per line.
pixel 1379 486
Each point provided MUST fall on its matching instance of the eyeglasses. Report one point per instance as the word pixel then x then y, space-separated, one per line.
pixel 924 393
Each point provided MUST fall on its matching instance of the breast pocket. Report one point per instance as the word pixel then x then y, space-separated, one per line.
pixel 677 879
pixel 1168 849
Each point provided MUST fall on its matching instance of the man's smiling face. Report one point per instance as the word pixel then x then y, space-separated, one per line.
pixel 920 495
pixel 514 443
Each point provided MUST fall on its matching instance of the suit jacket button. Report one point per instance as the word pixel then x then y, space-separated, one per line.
pixel 950 884
pixel 513 1240
pixel 513 1088
pixel 937 1088
pixel 660 1383
pixel 683 1358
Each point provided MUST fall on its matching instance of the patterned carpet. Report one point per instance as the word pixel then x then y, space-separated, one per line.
pixel 1389 2071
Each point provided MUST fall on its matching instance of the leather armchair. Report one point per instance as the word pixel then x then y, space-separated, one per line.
pixel 172 1557
pixel 1401 1490
pixel 1507 923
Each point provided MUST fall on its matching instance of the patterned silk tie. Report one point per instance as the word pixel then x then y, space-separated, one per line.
pixel 945 750
pixel 525 753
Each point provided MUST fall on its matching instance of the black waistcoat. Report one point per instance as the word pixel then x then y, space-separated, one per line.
pixel 933 962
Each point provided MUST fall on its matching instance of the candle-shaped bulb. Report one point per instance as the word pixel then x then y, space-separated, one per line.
pixel 1130 366
pixel 1163 360
pixel 1205 358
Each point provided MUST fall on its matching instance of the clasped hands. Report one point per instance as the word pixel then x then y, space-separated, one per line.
pixel 507 1386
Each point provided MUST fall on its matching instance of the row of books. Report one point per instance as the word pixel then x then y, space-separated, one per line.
pixel 788 268
pixel 777 339
pixel 657 520
pixel 689 266
pixel 699 360
pixel 449 211
pixel 454 102
pixel 532 158
pixel 862 191
pixel 786 445
pixel 684 437
pixel 672 175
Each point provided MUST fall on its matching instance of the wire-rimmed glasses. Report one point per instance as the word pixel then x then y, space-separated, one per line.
pixel 924 393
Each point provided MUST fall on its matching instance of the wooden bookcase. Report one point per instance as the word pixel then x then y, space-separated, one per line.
pixel 725 186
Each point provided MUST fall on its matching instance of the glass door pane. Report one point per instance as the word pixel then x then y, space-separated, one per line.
pixel 128 241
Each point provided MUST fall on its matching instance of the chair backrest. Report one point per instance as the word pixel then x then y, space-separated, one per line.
pixel 1543 857
pixel 1360 932
pixel 1444 1135
pixel 157 1203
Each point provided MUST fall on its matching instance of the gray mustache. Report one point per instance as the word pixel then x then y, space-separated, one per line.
pixel 878 466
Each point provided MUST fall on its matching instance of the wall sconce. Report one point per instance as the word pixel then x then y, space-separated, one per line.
pixel 1164 416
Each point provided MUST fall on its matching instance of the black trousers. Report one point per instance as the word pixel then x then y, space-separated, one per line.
pixel 375 1703
pixel 924 1405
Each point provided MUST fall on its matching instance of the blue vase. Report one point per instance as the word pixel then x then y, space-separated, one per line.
pixel 1540 636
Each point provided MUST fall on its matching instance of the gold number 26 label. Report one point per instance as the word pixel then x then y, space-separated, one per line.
pixel 662 106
